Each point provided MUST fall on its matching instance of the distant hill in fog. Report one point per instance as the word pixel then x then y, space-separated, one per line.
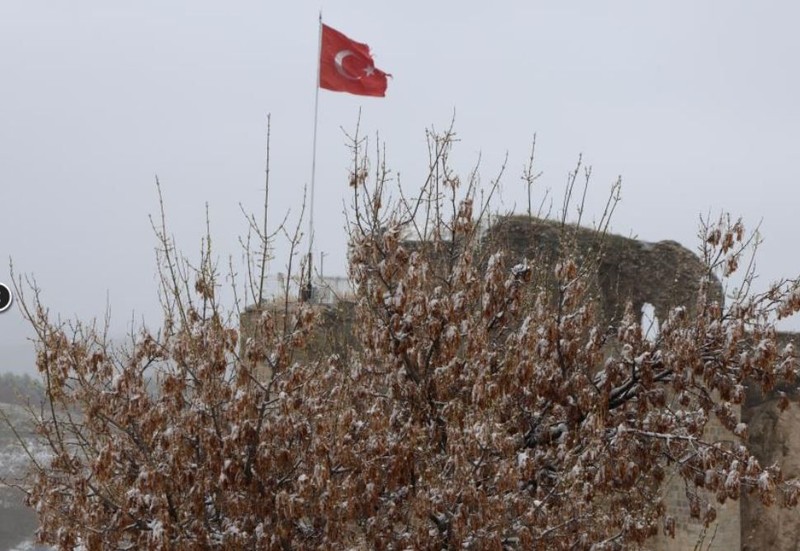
pixel 18 358
pixel 20 389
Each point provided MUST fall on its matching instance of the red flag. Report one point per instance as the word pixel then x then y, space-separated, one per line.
pixel 346 66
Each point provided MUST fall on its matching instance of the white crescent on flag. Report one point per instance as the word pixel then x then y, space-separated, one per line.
pixel 339 61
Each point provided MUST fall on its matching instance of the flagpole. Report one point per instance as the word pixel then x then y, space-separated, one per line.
pixel 314 163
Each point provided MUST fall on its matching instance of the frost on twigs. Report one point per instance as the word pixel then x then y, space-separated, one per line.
pixel 485 408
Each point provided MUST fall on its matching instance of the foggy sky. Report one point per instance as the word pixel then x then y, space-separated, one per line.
pixel 693 103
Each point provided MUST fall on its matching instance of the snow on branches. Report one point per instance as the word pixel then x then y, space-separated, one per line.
pixel 485 407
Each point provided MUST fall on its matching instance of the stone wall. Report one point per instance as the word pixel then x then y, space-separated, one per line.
pixel 666 275
pixel 333 336
pixel 774 438
pixel 662 274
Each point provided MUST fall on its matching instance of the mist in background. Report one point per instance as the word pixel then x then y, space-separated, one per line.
pixel 694 104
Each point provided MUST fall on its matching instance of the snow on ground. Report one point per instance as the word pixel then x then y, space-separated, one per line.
pixel 17 522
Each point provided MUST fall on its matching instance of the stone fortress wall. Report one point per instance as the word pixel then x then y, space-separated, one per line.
pixel 665 275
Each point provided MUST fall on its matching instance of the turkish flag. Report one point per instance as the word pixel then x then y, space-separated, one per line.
pixel 346 66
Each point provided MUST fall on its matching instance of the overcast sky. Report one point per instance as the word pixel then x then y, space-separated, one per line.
pixel 694 103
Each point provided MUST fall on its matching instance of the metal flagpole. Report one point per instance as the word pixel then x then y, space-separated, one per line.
pixel 313 166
